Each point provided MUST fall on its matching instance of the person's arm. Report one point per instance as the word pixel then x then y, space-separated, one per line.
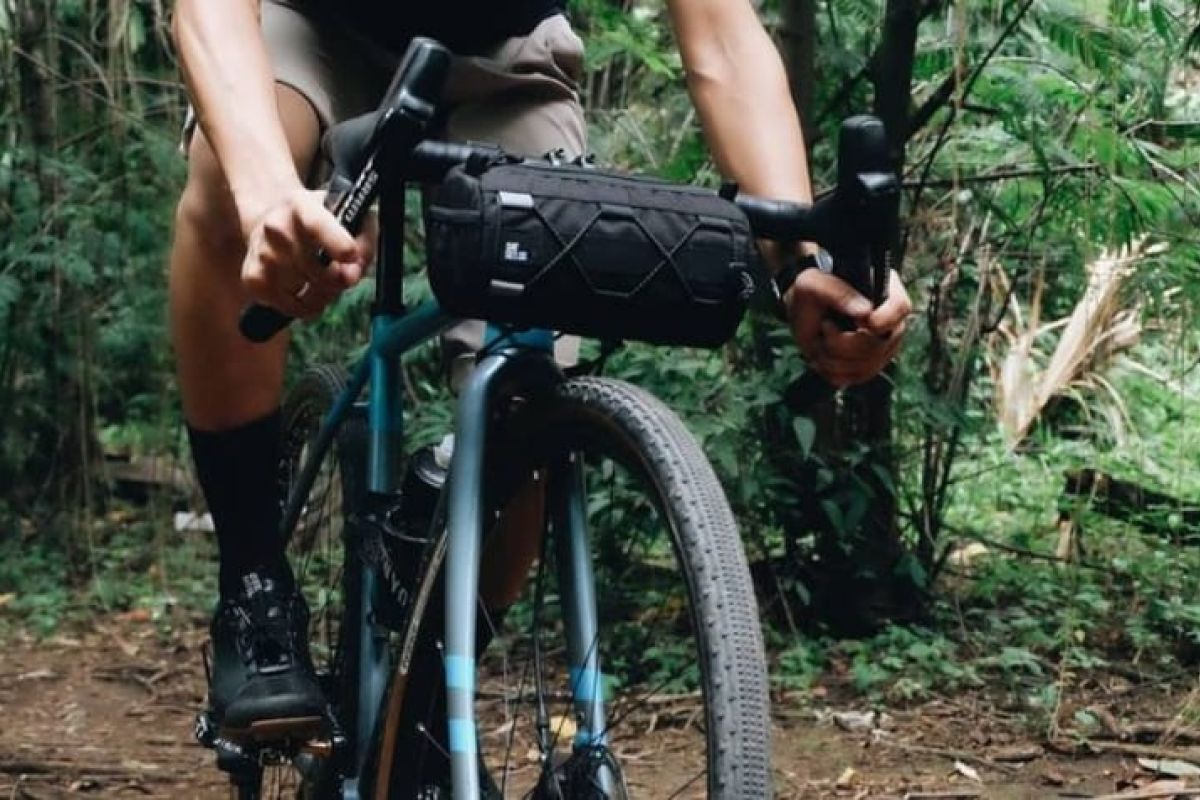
pixel 740 90
pixel 738 84
pixel 231 85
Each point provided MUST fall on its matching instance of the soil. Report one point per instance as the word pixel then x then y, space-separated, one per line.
pixel 108 712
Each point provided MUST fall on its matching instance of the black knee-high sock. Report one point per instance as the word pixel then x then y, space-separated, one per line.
pixel 238 470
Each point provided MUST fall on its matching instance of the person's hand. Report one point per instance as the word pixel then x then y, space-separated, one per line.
pixel 281 268
pixel 845 357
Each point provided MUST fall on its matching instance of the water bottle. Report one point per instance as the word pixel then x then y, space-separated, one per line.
pixel 404 528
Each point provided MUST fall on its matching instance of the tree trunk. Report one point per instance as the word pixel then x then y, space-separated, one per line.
pixel 40 113
pixel 900 591
pixel 798 43
pixel 863 575
pixel 38 129
pixel 66 438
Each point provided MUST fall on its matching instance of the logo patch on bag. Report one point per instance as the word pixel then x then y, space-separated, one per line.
pixel 515 253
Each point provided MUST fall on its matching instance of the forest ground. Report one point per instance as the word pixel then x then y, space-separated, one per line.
pixel 107 710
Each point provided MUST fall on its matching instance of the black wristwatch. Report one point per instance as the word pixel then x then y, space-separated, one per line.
pixel 792 267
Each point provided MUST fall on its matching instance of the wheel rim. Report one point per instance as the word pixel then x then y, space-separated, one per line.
pixel 315 548
pixel 316 554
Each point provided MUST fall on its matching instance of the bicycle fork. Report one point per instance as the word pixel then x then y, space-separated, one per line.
pixel 465 535
pixel 577 583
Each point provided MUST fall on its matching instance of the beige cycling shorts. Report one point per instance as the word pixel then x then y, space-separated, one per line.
pixel 523 96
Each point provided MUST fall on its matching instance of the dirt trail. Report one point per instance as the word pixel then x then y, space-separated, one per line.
pixel 108 713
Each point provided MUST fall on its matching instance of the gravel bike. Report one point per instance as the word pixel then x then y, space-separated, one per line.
pixel 633 665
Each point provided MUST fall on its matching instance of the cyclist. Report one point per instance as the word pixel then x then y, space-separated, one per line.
pixel 264 81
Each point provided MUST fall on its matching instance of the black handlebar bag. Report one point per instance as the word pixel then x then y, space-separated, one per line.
pixel 598 254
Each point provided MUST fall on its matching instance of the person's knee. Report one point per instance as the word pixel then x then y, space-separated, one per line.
pixel 206 217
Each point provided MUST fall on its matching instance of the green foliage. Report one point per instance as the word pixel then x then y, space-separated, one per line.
pixel 134 568
pixel 1079 132
pixel 34 581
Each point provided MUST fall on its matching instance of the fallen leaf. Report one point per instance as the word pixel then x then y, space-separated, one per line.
pixel 1052 777
pixel 1017 753
pixel 193 522
pixel 851 721
pixel 967 771
pixel 1159 790
pixel 563 728
pixel 1172 767
pixel 503 729
pixel 966 556
pixel 846 778
pixel 130 650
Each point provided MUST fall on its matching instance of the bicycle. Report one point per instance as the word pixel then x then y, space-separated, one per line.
pixel 661 632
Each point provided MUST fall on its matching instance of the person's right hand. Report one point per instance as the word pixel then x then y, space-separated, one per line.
pixel 844 358
pixel 281 268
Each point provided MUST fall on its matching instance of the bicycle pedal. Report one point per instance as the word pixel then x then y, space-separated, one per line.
pixel 232 757
pixel 205 730
pixel 278 732
pixel 318 748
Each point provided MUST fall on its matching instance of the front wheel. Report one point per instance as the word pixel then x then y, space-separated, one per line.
pixel 663 693
pixel 324 567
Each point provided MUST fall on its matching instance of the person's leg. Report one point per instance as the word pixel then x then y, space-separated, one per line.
pixel 230 387
pixel 524 98
pixel 262 685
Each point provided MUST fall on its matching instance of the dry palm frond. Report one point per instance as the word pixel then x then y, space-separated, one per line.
pixel 1096 329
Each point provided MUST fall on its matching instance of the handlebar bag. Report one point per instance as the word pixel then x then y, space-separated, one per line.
pixel 594 253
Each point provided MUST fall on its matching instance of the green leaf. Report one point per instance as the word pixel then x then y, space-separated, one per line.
pixel 910 567
pixel 1164 25
pixel 806 434
pixel 833 513
pixel 137 30
pixel 10 290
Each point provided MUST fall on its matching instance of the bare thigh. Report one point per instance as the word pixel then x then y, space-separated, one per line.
pixel 225 380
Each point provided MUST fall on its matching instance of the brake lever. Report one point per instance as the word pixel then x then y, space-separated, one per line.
pixel 409 106
pixel 348 201
pixel 866 210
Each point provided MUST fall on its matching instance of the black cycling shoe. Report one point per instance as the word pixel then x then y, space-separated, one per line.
pixel 262 687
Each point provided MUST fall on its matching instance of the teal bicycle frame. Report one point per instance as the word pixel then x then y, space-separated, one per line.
pixel 513 359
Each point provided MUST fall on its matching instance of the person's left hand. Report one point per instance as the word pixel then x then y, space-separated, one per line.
pixel 843 357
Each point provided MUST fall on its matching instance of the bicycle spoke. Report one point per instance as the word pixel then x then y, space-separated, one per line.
pixel 511 720
pixel 682 789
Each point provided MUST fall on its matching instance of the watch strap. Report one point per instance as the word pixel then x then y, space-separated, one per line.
pixel 791 269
